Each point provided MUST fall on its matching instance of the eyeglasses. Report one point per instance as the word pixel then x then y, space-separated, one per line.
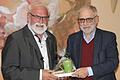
pixel 40 17
pixel 88 20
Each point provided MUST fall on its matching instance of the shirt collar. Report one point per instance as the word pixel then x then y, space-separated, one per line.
pixel 92 35
pixel 44 37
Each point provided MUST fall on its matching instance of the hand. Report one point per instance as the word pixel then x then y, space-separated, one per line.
pixel 63 78
pixel 81 72
pixel 47 75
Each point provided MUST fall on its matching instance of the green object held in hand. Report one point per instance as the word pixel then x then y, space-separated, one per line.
pixel 67 65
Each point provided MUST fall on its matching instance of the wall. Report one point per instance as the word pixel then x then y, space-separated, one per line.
pixel 109 20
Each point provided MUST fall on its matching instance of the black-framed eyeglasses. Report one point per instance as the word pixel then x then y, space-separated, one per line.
pixel 39 17
pixel 88 20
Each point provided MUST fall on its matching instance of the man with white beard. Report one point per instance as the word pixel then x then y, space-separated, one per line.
pixel 20 16
pixel 31 52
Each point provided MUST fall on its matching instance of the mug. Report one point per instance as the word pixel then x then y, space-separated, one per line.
pixel 67 65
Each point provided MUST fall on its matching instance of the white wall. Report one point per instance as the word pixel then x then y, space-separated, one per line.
pixel 109 20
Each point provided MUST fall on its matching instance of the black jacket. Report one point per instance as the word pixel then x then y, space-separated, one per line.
pixel 21 57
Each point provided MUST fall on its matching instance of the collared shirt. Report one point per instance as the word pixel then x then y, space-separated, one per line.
pixel 43 48
pixel 92 35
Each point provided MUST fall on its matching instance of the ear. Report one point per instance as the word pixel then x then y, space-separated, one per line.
pixel 97 19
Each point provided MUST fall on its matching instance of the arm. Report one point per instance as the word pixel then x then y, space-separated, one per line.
pixel 105 65
pixel 11 68
pixel 110 63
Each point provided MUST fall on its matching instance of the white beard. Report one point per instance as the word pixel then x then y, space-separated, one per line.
pixel 39 28
pixel 88 30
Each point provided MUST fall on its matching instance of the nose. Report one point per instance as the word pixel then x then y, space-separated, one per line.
pixel 41 20
pixel 85 22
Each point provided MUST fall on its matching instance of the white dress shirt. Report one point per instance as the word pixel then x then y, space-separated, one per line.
pixel 43 49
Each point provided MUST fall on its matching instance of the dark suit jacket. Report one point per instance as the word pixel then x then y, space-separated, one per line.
pixel 22 59
pixel 105 53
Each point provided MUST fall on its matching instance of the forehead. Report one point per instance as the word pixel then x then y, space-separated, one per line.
pixel 85 12
pixel 39 10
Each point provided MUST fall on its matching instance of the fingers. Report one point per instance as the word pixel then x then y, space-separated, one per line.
pixel 52 77
pixel 47 75
pixel 50 71
pixel 80 73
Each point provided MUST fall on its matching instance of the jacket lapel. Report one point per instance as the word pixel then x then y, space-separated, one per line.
pixel 30 38
pixel 97 46
pixel 78 49
pixel 48 51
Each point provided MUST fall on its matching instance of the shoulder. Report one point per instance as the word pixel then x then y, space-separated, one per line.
pixel 75 35
pixel 50 35
pixel 17 34
pixel 105 33
pixel 106 36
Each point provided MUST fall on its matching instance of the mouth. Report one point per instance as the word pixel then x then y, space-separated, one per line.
pixel 40 25
pixel 86 27
pixel 37 25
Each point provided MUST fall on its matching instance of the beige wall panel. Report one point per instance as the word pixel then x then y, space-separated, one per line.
pixel 109 20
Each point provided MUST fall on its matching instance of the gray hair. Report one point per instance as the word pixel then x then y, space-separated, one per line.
pixel 35 4
pixel 89 7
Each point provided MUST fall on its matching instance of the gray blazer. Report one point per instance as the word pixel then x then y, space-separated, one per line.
pixel 105 53
pixel 21 57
